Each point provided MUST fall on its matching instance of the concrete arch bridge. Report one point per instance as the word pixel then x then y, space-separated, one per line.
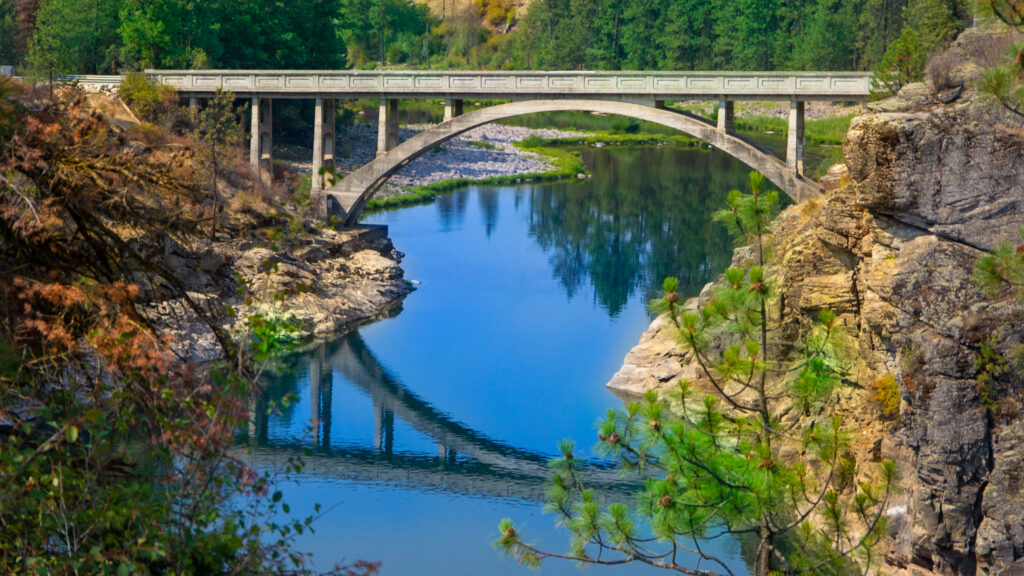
pixel 640 95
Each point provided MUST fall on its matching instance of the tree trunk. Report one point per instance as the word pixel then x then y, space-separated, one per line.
pixel 216 194
pixel 764 552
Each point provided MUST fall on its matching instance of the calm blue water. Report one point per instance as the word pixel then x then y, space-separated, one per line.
pixel 437 423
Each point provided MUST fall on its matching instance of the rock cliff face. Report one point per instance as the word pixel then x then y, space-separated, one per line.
pixel 927 189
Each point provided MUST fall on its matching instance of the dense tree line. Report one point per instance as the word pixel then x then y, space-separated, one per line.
pixel 91 36
pixel 724 34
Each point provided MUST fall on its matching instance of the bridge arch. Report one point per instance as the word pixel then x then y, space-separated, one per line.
pixel 348 198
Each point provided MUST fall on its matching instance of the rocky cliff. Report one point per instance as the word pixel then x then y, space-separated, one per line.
pixel 927 188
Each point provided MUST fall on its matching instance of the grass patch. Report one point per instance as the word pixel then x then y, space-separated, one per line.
pixel 567 164
pixel 482 144
pixel 610 139
pixel 824 131
pixel 832 154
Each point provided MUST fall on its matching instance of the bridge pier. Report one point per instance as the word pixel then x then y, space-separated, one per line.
pixel 323 141
pixel 452 107
pixel 193 106
pixel 387 126
pixel 261 143
pixel 795 137
pixel 727 116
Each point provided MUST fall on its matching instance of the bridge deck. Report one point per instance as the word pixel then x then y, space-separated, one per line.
pixel 846 86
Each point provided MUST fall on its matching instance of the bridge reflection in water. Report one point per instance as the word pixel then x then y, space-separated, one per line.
pixel 466 462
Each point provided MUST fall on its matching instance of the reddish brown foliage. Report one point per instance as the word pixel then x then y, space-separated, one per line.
pixel 119 450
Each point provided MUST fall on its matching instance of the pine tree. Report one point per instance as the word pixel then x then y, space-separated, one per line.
pixel 724 461
pixel 935 21
pixel 828 39
pixel 74 37
pixel 8 30
pixel 902 64
pixel 218 128
pixel 881 22
pixel 1005 83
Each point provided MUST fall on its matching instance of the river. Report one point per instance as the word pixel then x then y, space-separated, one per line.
pixel 436 423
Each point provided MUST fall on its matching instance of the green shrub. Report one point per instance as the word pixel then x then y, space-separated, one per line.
pixel 532 141
pixel 150 134
pixel 623 124
pixel 149 101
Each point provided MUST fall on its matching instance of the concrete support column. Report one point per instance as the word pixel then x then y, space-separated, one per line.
pixel 254 135
pixel 193 106
pixel 323 151
pixel 330 133
pixel 266 117
pixel 452 107
pixel 387 125
pixel 316 180
pixel 727 116
pixel 795 137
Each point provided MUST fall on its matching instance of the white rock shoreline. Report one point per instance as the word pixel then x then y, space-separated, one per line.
pixel 457 159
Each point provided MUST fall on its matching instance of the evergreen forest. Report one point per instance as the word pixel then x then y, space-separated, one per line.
pixel 112 36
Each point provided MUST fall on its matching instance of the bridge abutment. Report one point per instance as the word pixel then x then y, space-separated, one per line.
pixel 387 126
pixel 795 137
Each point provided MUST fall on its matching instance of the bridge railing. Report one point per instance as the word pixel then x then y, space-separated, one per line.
pixel 508 85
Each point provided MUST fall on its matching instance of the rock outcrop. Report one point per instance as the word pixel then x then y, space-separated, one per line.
pixel 928 188
pixel 325 284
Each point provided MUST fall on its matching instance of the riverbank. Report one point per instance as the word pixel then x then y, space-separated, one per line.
pixel 488 155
